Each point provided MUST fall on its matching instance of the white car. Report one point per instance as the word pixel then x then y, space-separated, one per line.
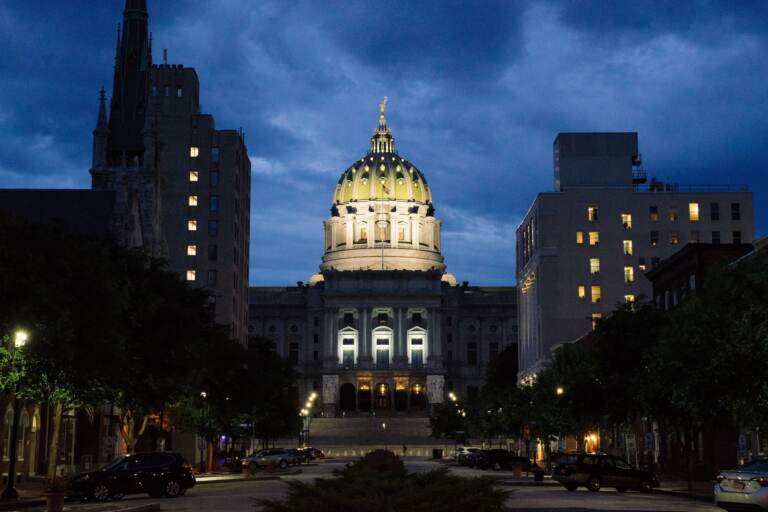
pixel 744 487
pixel 462 451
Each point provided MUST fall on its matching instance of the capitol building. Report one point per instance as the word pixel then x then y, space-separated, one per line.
pixel 382 326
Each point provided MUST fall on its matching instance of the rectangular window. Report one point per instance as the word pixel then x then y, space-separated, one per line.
pixel 194 151
pixel 654 237
pixel 382 354
pixel 167 90
pixel 592 213
pixel 735 211
pixel 316 321
pixel 383 318
pixel 179 91
pixel 714 211
pixel 191 225
pixel 213 204
pixel 192 201
pixel 627 245
pixel 214 154
pixel 212 277
pixel 629 274
pixel 191 275
pixel 493 350
pixel 736 237
pixel 653 213
pixel 349 318
pixel 715 237
pixel 693 212
pixel 192 250
pixel 154 90
pixel 674 237
pixel 472 353
pixel 315 355
pixel 214 178
pixel 449 355
pixel 449 321
pixel 293 353
pixel 594 265
pixel 695 236
pixel 579 237
pixel 315 338
pixel 582 291
pixel 629 298
pixel 213 252
pixel 193 176
pixel 213 228
pixel 594 238
pixel 626 220
pixel 596 320
pixel 673 214
pixel 416 319
pixel 596 294
pixel 401 234
pixel 641 264
pixel 449 338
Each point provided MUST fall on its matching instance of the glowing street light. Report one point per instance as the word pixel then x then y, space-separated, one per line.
pixel 560 390
pixel 20 338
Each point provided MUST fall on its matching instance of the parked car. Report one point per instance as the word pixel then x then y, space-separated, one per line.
pixel 311 453
pixel 462 452
pixel 500 459
pixel 595 471
pixel 743 487
pixel 155 473
pixel 280 457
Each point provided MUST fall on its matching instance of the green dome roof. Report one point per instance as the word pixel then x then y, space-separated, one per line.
pixel 382 175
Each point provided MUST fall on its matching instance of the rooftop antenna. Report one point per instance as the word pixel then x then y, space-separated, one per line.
pixel 165 56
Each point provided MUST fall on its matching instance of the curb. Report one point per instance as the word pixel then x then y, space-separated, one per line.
pixel 685 494
pixel 523 483
pixel 16 505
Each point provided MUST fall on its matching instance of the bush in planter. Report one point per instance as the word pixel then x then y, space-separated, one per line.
pixel 379 483
pixel 55 491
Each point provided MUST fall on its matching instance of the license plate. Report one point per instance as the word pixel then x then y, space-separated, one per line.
pixel 739 486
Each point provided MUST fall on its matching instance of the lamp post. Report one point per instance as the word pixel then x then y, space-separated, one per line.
pixel 10 493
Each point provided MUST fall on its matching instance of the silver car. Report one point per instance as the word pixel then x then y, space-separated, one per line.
pixel 270 457
pixel 744 487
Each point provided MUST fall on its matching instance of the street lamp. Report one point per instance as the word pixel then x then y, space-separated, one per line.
pixel 559 391
pixel 20 338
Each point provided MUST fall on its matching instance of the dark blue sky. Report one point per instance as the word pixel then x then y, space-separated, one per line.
pixel 478 91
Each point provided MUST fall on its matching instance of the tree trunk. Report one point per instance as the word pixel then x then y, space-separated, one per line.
pixel 689 458
pixel 53 447
pixel 209 469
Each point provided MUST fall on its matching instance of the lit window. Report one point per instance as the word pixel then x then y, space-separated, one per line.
pixel 629 274
pixel 693 212
pixel 192 250
pixel 653 213
pixel 192 201
pixel 594 238
pixel 582 291
pixel 674 237
pixel 191 225
pixel 191 275
pixel 629 298
pixel 596 294
pixel 594 265
pixel 194 151
pixel 673 214
pixel 641 265
pixel 193 176
pixel 579 237
pixel 596 320
pixel 592 213
pixel 627 247
pixel 626 220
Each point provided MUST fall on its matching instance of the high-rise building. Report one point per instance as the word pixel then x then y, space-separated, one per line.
pixel 189 181
pixel 584 248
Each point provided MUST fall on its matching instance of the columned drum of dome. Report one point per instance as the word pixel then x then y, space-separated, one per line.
pixel 382 217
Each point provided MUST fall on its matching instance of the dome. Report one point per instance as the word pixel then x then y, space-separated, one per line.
pixel 382 174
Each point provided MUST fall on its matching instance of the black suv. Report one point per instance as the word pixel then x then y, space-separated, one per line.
pixel 155 473
pixel 599 470
pixel 500 459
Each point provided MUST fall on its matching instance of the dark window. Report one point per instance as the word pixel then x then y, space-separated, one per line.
pixel 472 392
pixel 179 91
pixel 213 204
pixel 315 384
pixel 737 237
pixel 315 355
pixel 213 228
pixel 472 353
pixel 449 338
pixel 214 178
pixel 212 277
pixel 315 338
pixel 715 237
pixel 383 318
pixel 213 252
pixel 449 355
pixel 214 154
pixel 655 262
pixel 714 211
pixel 167 90
pixel 654 237
pixel 349 318
pixel 154 90
pixel 417 319
pixel 493 350
pixel 653 213
pixel 449 321
pixel 293 353
pixel 316 321
pixel 735 211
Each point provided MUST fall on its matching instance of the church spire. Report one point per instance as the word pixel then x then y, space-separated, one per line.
pixel 382 140
pixel 101 122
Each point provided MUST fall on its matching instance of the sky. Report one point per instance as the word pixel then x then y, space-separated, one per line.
pixel 477 91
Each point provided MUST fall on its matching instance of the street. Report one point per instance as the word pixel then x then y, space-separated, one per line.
pixel 241 495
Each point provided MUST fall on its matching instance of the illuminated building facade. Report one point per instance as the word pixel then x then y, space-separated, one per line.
pixel 584 249
pixel 382 326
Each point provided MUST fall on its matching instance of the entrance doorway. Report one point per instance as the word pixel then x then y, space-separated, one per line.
pixel 347 397
pixel 364 397
pixel 418 398
pixel 401 397
pixel 382 399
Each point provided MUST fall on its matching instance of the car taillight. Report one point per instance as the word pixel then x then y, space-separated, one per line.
pixel 763 481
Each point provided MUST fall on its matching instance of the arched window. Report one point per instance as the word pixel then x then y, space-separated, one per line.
pixel 348 347
pixel 417 347
pixel 382 342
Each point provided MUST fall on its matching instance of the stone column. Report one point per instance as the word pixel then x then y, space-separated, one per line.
pixel 349 223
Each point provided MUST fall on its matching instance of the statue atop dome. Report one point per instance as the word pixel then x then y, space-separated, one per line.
pixel 383 106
